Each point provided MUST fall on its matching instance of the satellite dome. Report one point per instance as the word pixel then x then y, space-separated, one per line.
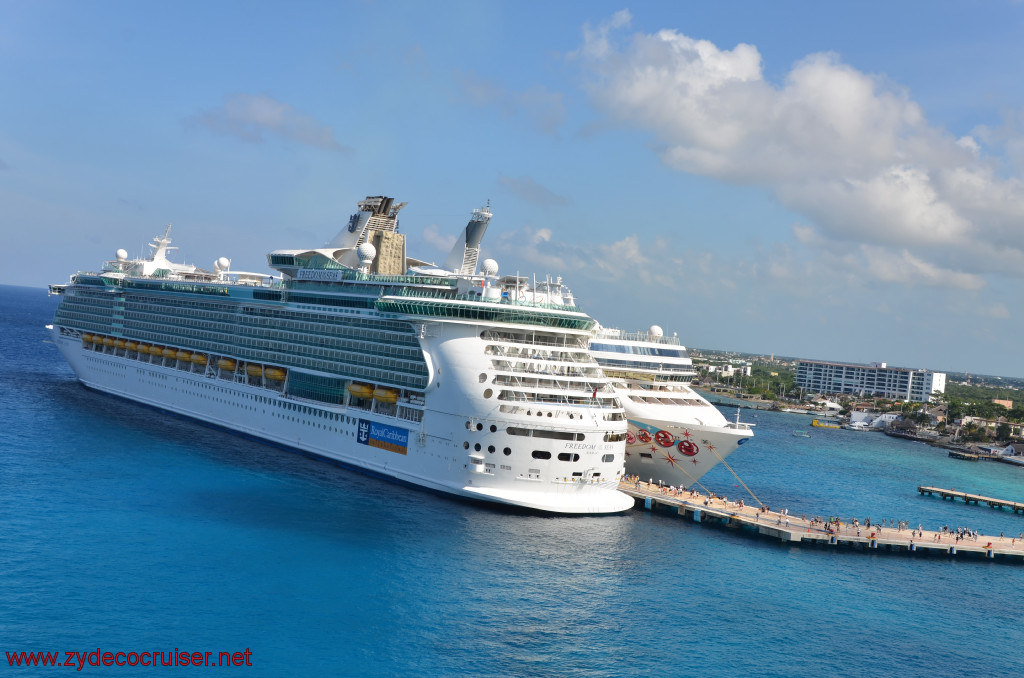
pixel 222 264
pixel 367 252
pixel 489 267
pixel 121 255
pixel 655 331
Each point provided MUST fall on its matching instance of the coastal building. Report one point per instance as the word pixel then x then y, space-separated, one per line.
pixel 873 379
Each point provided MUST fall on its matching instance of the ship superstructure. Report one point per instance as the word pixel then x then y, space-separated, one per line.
pixel 445 377
pixel 675 435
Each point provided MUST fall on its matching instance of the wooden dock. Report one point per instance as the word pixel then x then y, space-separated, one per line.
pixel 1015 506
pixel 797 530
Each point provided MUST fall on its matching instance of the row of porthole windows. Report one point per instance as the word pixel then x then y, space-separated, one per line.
pixel 569 456
pixel 541 454
pixel 490 448
pixel 539 433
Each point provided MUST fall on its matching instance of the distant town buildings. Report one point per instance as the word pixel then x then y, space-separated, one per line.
pixel 873 379
pixel 729 370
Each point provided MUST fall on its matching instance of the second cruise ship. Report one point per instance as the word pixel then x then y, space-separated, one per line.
pixel 675 435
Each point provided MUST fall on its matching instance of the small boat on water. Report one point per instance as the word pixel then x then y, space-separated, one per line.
pixel 801 434
pixel 825 423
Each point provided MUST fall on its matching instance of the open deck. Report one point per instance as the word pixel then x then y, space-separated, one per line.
pixel 798 530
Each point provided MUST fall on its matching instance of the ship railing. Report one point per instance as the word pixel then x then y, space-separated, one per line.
pixel 638 336
pixel 440 294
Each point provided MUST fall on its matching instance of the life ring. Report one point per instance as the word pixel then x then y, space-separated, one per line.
pixel 688 448
pixel 644 435
pixel 630 438
pixel 664 438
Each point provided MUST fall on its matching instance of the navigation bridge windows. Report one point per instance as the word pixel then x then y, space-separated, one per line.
pixel 556 384
pixel 534 338
pixel 539 354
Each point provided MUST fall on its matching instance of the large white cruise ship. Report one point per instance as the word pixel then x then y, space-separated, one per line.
pixel 675 435
pixel 463 382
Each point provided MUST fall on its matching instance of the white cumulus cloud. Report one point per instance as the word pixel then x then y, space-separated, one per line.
pixel 850 151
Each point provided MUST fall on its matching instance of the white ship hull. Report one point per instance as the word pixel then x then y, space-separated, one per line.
pixel 684 455
pixel 431 454
pixel 467 383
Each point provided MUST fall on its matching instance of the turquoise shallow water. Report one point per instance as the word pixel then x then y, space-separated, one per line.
pixel 125 529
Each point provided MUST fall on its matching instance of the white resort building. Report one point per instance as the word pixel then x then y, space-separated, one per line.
pixel 873 379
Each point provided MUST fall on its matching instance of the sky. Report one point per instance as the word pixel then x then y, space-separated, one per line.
pixel 826 180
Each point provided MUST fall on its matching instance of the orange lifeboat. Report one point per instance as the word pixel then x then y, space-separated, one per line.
pixel 276 373
pixel 385 395
pixel 170 352
pixel 254 370
pixel 108 341
pixel 184 355
pixel 199 359
pixel 97 339
pixel 120 343
pixel 131 346
pixel 87 337
pixel 360 390
pixel 226 364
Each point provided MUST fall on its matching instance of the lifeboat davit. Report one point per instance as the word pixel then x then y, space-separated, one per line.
pixel 360 390
pixel 254 370
pixel 385 395
pixel 226 364
pixel 276 373
pixel 199 359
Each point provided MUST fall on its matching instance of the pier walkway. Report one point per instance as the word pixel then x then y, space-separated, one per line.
pixel 951 494
pixel 798 530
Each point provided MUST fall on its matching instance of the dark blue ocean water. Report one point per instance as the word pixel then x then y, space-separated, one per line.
pixel 128 530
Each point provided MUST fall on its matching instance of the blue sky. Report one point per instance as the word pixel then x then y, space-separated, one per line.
pixel 826 180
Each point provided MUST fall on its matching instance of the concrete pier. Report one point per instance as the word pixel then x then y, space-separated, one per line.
pixel 969 498
pixel 799 531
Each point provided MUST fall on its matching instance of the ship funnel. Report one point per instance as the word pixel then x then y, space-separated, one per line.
pixel 466 252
